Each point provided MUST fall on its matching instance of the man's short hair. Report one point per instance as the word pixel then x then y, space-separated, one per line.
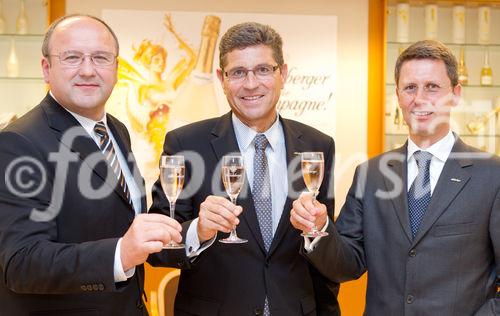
pixel 243 35
pixel 429 49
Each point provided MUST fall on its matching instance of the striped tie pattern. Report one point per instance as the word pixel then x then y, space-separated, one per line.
pixel 106 146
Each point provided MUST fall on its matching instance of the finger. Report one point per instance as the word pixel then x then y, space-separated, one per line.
pixel 302 211
pixel 216 221
pixel 303 222
pixel 219 213
pixel 158 218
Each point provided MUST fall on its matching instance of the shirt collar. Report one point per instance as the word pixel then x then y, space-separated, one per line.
pixel 87 123
pixel 245 134
pixel 441 149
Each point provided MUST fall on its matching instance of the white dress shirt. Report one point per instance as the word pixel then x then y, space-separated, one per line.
pixel 440 152
pixel 135 193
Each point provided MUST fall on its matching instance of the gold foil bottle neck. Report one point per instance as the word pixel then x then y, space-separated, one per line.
pixel 211 26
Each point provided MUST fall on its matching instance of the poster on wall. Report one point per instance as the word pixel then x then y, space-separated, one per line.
pixel 167 72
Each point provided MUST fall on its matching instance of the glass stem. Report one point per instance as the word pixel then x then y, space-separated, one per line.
pixel 314 228
pixel 172 210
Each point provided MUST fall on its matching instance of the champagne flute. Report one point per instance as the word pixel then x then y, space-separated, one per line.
pixel 313 165
pixel 233 176
pixel 172 171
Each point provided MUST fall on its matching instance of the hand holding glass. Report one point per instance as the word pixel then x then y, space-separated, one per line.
pixel 313 165
pixel 233 176
pixel 172 180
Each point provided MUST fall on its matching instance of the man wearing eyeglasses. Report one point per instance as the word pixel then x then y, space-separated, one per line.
pixel 72 236
pixel 267 275
pixel 423 220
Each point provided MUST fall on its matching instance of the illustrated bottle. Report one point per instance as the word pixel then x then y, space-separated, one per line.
pixel 458 24
pixel 2 20
pixel 463 76
pixel 22 20
pixel 484 17
pixel 12 63
pixel 196 99
pixel 486 78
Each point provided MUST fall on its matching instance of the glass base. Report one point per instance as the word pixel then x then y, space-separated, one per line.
pixel 233 240
pixel 314 234
pixel 174 245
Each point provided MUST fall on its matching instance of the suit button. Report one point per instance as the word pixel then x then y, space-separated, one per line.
pixel 95 287
pixel 258 311
pixel 83 287
pixel 89 287
pixel 410 298
pixel 101 287
pixel 412 253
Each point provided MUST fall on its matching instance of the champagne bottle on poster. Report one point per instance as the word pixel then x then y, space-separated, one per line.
pixel 196 99
pixel 486 78
pixel 12 62
pixel 2 20
pixel 22 20
pixel 463 76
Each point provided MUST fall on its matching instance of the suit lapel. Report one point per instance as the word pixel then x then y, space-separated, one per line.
pixel 225 142
pixel 294 144
pixel 73 136
pixel 120 135
pixel 400 202
pixel 451 181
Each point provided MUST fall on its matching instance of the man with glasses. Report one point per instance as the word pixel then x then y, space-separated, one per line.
pixel 423 220
pixel 72 236
pixel 267 275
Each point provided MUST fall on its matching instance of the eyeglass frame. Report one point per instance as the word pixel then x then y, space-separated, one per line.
pixel 83 56
pixel 246 70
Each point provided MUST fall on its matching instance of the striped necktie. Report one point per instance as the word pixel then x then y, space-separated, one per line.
pixel 106 146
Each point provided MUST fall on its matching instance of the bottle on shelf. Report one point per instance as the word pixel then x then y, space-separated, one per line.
pixel 463 76
pixel 458 24
pixel 196 99
pixel 431 21
pixel 2 20
pixel 486 78
pixel 484 17
pixel 22 20
pixel 402 22
pixel 12 63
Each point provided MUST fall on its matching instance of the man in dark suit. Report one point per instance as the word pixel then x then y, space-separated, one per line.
pixel 72 239
pixel 267 275
pixel 423 219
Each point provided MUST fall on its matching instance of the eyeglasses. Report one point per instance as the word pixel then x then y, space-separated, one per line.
pixel 75 58
pixel 262 72
pixel 430 89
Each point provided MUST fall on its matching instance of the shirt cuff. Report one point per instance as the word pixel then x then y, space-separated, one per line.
pixel 310 245
pixel 119 274
pixel 193 247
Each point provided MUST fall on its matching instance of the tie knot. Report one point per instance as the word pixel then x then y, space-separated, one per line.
pixel 260 142
pixel 423 158
pixel 100 129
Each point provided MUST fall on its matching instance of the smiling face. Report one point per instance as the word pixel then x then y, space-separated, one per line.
pixel 426 96
pixel 253 100
pixel 86 88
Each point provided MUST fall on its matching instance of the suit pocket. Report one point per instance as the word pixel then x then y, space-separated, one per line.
pixel 454 229
pixel 196 306
pixel 308 304
pixel 67 312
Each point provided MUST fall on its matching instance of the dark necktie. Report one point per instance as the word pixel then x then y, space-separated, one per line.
pixel 419 194
pixel 106 146
pixel 261 192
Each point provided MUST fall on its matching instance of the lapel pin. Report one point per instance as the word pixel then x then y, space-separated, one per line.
pixel 455 180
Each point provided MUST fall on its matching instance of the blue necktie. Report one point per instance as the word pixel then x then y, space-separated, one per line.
pixel 261 192
pixel 419 194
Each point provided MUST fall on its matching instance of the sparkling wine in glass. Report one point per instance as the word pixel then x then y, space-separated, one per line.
pixel 172 171
pixel 313 165
pixel 233 176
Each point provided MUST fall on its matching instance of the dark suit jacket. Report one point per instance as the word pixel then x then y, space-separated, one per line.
pixel 64 265
pixel 234 279
pixel 452 265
